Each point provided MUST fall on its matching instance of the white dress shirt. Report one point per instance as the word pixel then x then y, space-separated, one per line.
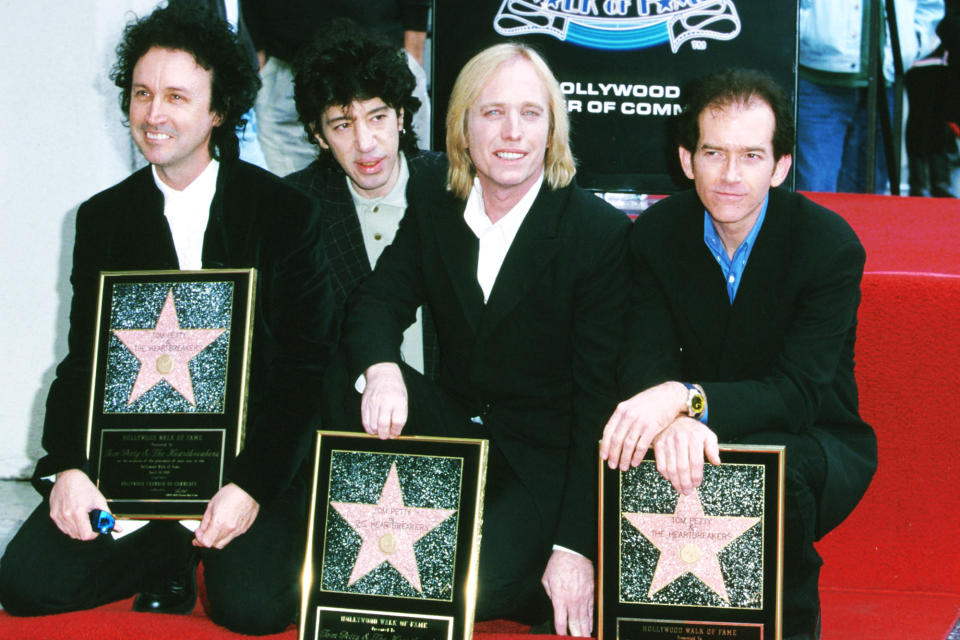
pixel 379 219
pixel 495 238
pixel 187 213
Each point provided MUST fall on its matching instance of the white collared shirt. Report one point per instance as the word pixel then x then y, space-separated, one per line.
pixel 188 212
pixel 379 219
pixel 495 238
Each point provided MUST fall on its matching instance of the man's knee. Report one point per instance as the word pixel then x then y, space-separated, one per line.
pixel 26 590
pixel 250 610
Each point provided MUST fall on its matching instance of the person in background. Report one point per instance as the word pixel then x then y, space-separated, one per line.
pixel 832 86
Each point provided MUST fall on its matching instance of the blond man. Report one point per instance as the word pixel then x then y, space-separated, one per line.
pixel 524 274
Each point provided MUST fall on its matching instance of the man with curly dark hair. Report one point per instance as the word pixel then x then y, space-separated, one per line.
pixel 185 84
pixel 353 94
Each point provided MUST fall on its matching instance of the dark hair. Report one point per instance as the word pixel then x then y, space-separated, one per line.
pixel 343 64
pixel 191 27
pixel 737 87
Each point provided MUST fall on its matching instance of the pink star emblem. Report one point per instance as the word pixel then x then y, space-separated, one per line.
pixel 388 530
pixel 165 352
pixel 689 542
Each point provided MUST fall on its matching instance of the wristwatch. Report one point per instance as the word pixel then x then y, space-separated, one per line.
pixel 696 401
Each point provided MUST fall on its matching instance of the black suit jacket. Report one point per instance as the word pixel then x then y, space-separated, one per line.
pixel 537 361
pixel 256 220
pixel 781 357
pixel 349 264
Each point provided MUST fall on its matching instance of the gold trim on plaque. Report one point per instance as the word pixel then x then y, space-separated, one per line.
pixel 773 471
pixel 372 612
pixel 469 584
pixel 245 316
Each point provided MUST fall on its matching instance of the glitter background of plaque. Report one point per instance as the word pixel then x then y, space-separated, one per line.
pixel 425 481
pixel 199 305
pixel 728 490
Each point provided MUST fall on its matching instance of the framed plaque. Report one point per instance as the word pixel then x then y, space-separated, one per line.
pixel 394 537
pixel 169 387
pixel 698 567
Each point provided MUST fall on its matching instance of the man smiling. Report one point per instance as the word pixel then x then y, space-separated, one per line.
pixel 743 327
pixel 185 85
pixel 524 273
pixel 170 117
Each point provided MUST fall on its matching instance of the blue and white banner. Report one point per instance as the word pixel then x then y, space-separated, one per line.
pixel 621 25
pixel 623 67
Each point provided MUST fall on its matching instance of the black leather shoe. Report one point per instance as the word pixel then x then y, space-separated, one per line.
pixel 174 594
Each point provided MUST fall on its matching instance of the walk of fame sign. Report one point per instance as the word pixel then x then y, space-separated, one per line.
pixel 168 394
pixel 394 534
pixel 699 566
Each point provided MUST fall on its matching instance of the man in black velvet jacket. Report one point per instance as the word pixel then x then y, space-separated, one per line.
pixel 185 85
pixel 743 326
pixel 525 275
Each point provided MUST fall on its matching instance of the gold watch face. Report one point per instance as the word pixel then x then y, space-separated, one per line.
pixel 696 403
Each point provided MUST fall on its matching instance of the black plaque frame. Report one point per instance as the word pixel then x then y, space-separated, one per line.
pixel 369 610
pixel 161 456
pixel 672 618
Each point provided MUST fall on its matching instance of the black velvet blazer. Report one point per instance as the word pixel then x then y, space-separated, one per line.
pixel 256 220
pixel 781 357
pixel 538 359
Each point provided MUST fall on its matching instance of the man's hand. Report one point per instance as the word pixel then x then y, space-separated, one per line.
pixel 638 420
pixel 72 499
pixel 229 514
pixel 383 408
pixel 568 580
pixel 680 449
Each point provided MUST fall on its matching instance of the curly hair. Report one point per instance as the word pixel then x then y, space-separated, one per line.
pixel 345 64
pixel 559 164
pixel 737 87
pixel 191 27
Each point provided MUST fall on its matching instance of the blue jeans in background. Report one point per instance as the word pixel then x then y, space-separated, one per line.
pixel 832 138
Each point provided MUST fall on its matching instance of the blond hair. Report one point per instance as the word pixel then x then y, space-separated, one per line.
pixel 559 165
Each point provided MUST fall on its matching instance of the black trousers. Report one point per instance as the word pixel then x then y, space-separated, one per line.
pixel 516 544
pixel 805 472
pixel 253 584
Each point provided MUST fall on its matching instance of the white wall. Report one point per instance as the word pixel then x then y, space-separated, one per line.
pixel 61 141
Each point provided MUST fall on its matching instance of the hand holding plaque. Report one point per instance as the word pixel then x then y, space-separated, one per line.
pixel 701 564
pixel 169 388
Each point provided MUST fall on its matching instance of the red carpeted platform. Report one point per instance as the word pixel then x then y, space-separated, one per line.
pixel 917 235
pixel 895 553
pixel 117 621
pixel 891 571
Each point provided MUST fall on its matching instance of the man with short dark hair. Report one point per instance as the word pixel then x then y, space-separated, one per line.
pixel 185 85
pixel 353 93
pixel 524 274
pixel 743 326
